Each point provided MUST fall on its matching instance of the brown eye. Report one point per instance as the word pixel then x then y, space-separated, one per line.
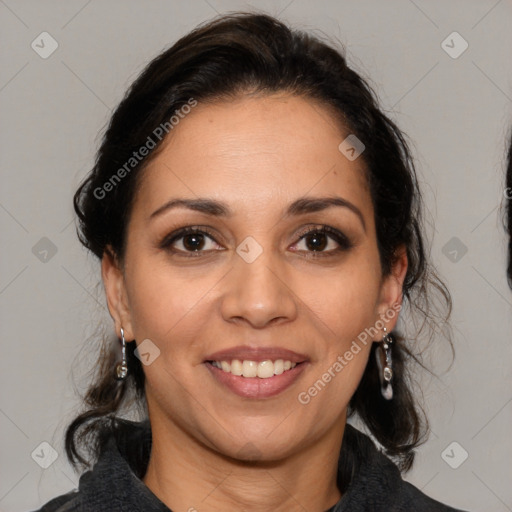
pixel 322 241
pixel 190 241
pixel 316 241
pixel 193 242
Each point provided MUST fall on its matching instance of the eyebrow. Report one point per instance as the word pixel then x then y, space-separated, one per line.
pixel 298 207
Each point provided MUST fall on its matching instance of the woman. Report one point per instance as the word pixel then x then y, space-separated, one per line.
pixel 257 218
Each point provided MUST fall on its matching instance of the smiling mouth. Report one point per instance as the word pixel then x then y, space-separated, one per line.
pixel 254 369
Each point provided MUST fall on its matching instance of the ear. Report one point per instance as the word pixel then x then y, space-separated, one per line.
pixel 391 289
pixel 115 290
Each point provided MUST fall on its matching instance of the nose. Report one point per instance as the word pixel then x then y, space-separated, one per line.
pixel 259 293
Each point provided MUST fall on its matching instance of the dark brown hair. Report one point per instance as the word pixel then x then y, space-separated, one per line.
pixel 508 209
pixel 254 53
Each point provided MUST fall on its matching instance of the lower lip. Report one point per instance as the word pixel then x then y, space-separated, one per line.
pixel 254 387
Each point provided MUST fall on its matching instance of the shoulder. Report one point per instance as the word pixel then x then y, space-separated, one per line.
pixel 114 483
pixel 376 483
pixel 413 499
pixel 68 502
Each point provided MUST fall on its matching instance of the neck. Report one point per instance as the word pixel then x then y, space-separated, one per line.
pixel 185 475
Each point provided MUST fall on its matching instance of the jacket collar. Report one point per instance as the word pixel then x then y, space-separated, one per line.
pixel 115 481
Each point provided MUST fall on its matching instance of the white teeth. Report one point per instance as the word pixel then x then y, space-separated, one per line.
pixel 236 367
pixel 265 369
pixel 250 369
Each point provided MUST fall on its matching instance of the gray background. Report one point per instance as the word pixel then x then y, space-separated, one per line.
pixel 456 110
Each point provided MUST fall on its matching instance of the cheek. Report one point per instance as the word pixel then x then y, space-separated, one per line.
pixel 168 305
pixel 172 306
pixel 344 303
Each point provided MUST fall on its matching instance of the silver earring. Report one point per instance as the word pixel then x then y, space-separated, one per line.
pixel 122 367
pixel 383 352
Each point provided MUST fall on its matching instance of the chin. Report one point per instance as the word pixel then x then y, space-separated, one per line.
pixel 262 445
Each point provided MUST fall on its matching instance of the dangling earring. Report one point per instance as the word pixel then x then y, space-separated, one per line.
pixel 383 352
pixel 122 367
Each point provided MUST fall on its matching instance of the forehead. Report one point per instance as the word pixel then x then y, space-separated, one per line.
pixel 253 152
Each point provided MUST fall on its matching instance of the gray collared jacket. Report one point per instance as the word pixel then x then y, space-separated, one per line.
pixel 115 482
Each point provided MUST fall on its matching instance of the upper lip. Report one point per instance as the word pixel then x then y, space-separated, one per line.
pixel 257 354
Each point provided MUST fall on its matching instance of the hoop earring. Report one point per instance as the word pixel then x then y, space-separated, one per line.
pixel 122 367
pixel 383 352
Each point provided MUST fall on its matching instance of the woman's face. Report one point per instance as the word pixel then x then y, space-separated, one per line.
pixel 252 178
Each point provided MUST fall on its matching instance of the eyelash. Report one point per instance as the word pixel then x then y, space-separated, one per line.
pixel 341 239
pixel 344 244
